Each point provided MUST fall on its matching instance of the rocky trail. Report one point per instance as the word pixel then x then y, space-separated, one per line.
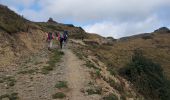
pixel 25 80
pixel 78 77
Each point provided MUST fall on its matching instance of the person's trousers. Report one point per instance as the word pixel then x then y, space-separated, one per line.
pixel 50 44
pixel 61 44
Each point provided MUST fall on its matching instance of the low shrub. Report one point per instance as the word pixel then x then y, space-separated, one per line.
pixel 59 95
pixel 61 84
pixel 54 58
pixel 95 90
pixel 147 77
pixel 12 96
pixel 110 97
pixel 89 64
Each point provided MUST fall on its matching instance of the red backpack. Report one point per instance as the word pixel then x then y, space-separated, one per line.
pixel 50 36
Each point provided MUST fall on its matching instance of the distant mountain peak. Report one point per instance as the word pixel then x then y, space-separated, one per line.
pixel 50 20
pixel 162 30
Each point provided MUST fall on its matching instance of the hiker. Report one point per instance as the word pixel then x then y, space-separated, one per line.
pixel 65 35
pixel 49 40
pixel 56 35
pixel 60 38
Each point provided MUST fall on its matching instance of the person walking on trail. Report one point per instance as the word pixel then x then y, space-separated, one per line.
pixel 65 35
pixel 60 38
pixel 49 40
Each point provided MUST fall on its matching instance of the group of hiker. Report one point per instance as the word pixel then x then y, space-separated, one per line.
pixel 62 37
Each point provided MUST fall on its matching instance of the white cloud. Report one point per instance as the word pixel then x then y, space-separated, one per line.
pixel 108 17
pixel 93 10
pixel 114 10
pixel 33 15
pixel 124 29
pixel 104 29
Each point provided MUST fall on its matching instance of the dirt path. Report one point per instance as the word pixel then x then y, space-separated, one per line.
pixel 76 76
pixel 30 84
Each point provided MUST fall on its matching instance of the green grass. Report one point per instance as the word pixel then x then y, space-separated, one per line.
pixel 98 74
pixel 37 63
pixel 12 96
pixel 147 37
pixel 1 80
pixel 80 35
pixel 79 51
pixel 110 97
pixel 112 71
pixel 117 86
pixel 90 83
pixel 89 64
pixel 47 69
pixel 79 55
pixel 96 90
pixel 31 71
pixel 147 77
pixel 9 80
pixel 111 68
pixel 58 95
pixel 12 22
pixel 54 58
pixel 111 82
pixel 61 84
pixel 49 27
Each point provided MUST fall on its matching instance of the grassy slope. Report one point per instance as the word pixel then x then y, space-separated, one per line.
pixel 114 56
pixel 19 36
pixel 10 21
pixel 119 54
pixel 155 47
pixel 74 32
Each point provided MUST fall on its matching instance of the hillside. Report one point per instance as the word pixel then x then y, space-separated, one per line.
pixel 154 45
pixel 53 26
pixel 90 67
pixel 20 37
pixel 118 56
pixel 11 22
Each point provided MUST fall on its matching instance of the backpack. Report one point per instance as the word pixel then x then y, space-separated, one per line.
pixel 61 36
pixel 65 34
pixel 50 36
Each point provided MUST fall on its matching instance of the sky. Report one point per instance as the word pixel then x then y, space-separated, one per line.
pixel 116 18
